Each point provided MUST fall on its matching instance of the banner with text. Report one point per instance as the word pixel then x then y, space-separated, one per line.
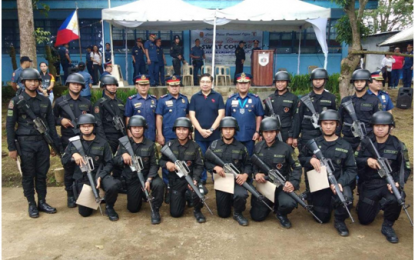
pixel 226 43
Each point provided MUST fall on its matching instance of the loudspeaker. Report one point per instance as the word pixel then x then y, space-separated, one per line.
pixel 404 100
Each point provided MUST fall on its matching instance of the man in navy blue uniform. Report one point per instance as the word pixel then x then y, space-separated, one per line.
pixel 152 59
pixel 247 109
pixel 205 111
pixel 107 53
pixel 16 80
pixel 143 104
pixel 138 58
pixel 408 67
pixel 170 107
pixel 65 60
pixel 375 88
pixel 198 55
pixel 162 62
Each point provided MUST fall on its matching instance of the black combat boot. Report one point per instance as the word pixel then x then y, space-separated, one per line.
pixel 33 211
pixel 44 207
pixel 71 201
pixel 155 217
pixel 341 227
pixel 240 219
pixel 285 222
pixel 167 195
pixel 389 232
pixel 200 218
pixel 112 215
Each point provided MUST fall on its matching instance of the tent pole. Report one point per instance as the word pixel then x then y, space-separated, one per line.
pixel 112 48
pixel 126 58
pixel 214 50
pixel 103 40
pixel 299 53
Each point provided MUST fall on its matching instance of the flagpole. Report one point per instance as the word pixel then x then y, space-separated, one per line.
pixel 79 28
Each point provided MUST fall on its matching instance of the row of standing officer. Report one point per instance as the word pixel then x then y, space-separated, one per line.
pixel 153 52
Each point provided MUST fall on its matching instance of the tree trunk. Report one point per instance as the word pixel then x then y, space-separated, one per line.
pixel 13 57
pixel 349 64
pixel 27 29
pixel 51 61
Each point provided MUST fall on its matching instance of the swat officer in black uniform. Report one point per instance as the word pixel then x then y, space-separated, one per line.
pixel 99 150
pixel 364 104
pixel 146 149
pixel 281 156
pixel 321 99
pixel 284 104
pixel 231 151
pixel 105 109
pixel 373 188
pixel 188 151
pixel 240 59
pixel 176 52
pixel 35 153
pixel 341 154
pixel 67 107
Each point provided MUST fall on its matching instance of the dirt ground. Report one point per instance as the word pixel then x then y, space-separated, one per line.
pixel 66 235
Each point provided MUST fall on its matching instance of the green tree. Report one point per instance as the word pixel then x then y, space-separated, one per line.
pixel 391 15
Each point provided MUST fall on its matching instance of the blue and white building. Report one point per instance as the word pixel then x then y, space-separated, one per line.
pixel 286 44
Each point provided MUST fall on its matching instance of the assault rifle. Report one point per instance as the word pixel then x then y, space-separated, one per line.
pixel 269 105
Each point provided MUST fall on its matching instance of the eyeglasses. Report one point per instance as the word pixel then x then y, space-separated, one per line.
pixel 206 82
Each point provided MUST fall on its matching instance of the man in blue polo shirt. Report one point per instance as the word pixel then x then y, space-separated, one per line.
pixel 86 92
pixel 247 109
pixel 24 64
pixel 375 88
pixel 205 111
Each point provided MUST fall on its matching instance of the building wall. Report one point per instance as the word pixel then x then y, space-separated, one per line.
pixel 372 61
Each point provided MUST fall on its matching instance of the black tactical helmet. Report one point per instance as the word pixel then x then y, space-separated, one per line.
pixel 229 121
pixel 270 124
pixel 361 75
pixel 108 80
pixel 86 119
pixel 183 122
pixel 329 115
pixel 319 73
pixel 282 75
pixel 382 118
pixel 137 121
pixel 30 73
pixel 75 78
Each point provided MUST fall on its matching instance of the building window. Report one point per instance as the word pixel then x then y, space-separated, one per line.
pixel 287 42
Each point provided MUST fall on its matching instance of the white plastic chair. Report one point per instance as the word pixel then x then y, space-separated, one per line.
pixel 187 75
pixel 168 71
pixel 220 77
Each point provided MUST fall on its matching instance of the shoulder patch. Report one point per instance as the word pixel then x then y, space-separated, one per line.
pixel 96 110
pixel 165 95
pixel 153 96
pixel 133 96
pixel 11 104
pixel 214 143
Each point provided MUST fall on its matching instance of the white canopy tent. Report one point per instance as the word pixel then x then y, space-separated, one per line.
pixel 403 36
pixel 275 15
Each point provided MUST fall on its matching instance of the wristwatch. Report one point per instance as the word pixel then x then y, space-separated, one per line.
pixel 211 129
pixel 149 180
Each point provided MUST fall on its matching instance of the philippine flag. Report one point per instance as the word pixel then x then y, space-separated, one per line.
pixel 69 30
